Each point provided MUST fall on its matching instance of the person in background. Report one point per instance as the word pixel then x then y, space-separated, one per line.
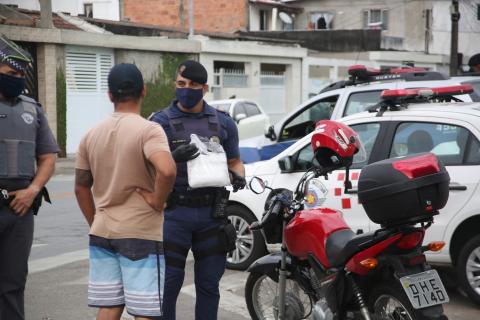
pixel 474 64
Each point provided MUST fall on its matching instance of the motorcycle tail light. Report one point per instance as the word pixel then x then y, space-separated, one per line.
pixel 435 246
pixel 369 263
pixel 410 240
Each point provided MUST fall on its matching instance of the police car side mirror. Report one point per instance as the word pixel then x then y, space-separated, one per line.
pixel 270 133
pixel 286 164
pixel 239 117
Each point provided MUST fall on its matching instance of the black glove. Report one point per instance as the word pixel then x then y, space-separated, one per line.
pixel 238 182
pixel 185 152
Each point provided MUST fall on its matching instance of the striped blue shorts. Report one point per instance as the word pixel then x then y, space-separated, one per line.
pixel 127 272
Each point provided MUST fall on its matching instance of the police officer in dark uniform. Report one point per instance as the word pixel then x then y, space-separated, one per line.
pixel 195 218
pixel 25 141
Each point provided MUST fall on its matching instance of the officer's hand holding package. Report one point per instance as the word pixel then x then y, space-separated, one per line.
pixel 185 152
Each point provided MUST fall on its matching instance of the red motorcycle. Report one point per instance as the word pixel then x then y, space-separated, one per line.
pixel 327 272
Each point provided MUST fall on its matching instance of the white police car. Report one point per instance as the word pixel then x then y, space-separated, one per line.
pixel 342 99
pixel 449 129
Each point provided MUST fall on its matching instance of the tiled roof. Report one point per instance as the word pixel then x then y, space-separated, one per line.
pixel 34 17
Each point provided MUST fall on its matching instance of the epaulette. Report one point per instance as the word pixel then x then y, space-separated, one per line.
pixel 224 112
pixel 30 100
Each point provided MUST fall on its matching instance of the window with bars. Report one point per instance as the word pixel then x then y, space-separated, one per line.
pixel 375 19
pixel 87 71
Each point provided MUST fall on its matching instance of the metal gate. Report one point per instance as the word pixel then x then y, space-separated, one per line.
pixel 87 86
pixel 272 94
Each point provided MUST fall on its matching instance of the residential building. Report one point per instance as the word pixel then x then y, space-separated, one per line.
pixel 100 9
pixel 410 25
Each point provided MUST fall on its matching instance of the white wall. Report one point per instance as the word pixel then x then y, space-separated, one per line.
pixel 469 28
pixel 293 84
pixel 102 9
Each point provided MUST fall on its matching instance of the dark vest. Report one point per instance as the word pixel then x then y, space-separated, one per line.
pixel 181 128
pixel 18 135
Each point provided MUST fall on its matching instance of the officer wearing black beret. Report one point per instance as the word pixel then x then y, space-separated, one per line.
pixel 195 218
pixel 26 142
pixel 474 64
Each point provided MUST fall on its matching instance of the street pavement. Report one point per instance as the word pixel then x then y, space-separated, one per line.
pixel 57 283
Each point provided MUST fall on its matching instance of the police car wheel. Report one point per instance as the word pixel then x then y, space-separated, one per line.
pixel 249 246
pixel 468 268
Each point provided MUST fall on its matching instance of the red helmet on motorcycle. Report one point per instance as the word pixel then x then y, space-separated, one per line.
pixel 334 144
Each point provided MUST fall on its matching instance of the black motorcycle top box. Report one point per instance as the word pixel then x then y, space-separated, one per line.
pixel 403 190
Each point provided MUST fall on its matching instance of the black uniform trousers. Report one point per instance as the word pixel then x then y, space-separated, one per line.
pixel 16 237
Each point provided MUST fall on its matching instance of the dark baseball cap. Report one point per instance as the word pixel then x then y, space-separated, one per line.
pixel 14 56
pixel 194 71
pixel 125 79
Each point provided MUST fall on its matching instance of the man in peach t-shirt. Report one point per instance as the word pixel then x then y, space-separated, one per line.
pixel 124 173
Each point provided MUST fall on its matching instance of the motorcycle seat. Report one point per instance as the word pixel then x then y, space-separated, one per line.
pixel 343 244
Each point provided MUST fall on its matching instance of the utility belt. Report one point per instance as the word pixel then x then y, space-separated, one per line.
pixel 217 199
pixel 177 199
pixel 5 199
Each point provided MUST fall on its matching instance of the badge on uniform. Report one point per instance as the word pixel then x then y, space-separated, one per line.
pixel 215 139
pixel 27 117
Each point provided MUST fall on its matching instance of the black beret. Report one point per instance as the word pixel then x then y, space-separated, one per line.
pixel 474 60
pixel 14 56
pixel 194 71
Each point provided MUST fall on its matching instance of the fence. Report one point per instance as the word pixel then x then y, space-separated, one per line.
pixel 230 78
pixel 272 79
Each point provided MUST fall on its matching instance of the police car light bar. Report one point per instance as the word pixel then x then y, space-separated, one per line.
pixel 426 92
pixel 407 70
pixel 360 71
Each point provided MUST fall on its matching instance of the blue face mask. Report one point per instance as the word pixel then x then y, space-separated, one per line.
pixel 10 86
pixel 189 98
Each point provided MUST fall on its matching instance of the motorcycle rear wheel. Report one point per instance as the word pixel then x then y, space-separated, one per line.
pixel 388 301
pixel 261 295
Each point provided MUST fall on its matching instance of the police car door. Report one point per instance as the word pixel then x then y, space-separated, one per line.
pixel 456 144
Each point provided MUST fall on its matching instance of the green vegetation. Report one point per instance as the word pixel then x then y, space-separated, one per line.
pixel 161 90
pixel 61 112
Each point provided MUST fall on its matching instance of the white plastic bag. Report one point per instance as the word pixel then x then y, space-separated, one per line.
pixel 210 168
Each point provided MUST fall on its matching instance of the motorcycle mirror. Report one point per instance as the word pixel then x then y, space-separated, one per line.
pixel 257 185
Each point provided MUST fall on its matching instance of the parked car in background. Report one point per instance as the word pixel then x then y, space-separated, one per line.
pixel 345 98
pixel 250 118
pixel 451 130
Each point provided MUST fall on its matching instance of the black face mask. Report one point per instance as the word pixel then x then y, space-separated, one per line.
pixel 11 86
pixel 188 97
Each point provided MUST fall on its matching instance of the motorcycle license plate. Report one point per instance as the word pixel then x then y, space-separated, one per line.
pixel 424 289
